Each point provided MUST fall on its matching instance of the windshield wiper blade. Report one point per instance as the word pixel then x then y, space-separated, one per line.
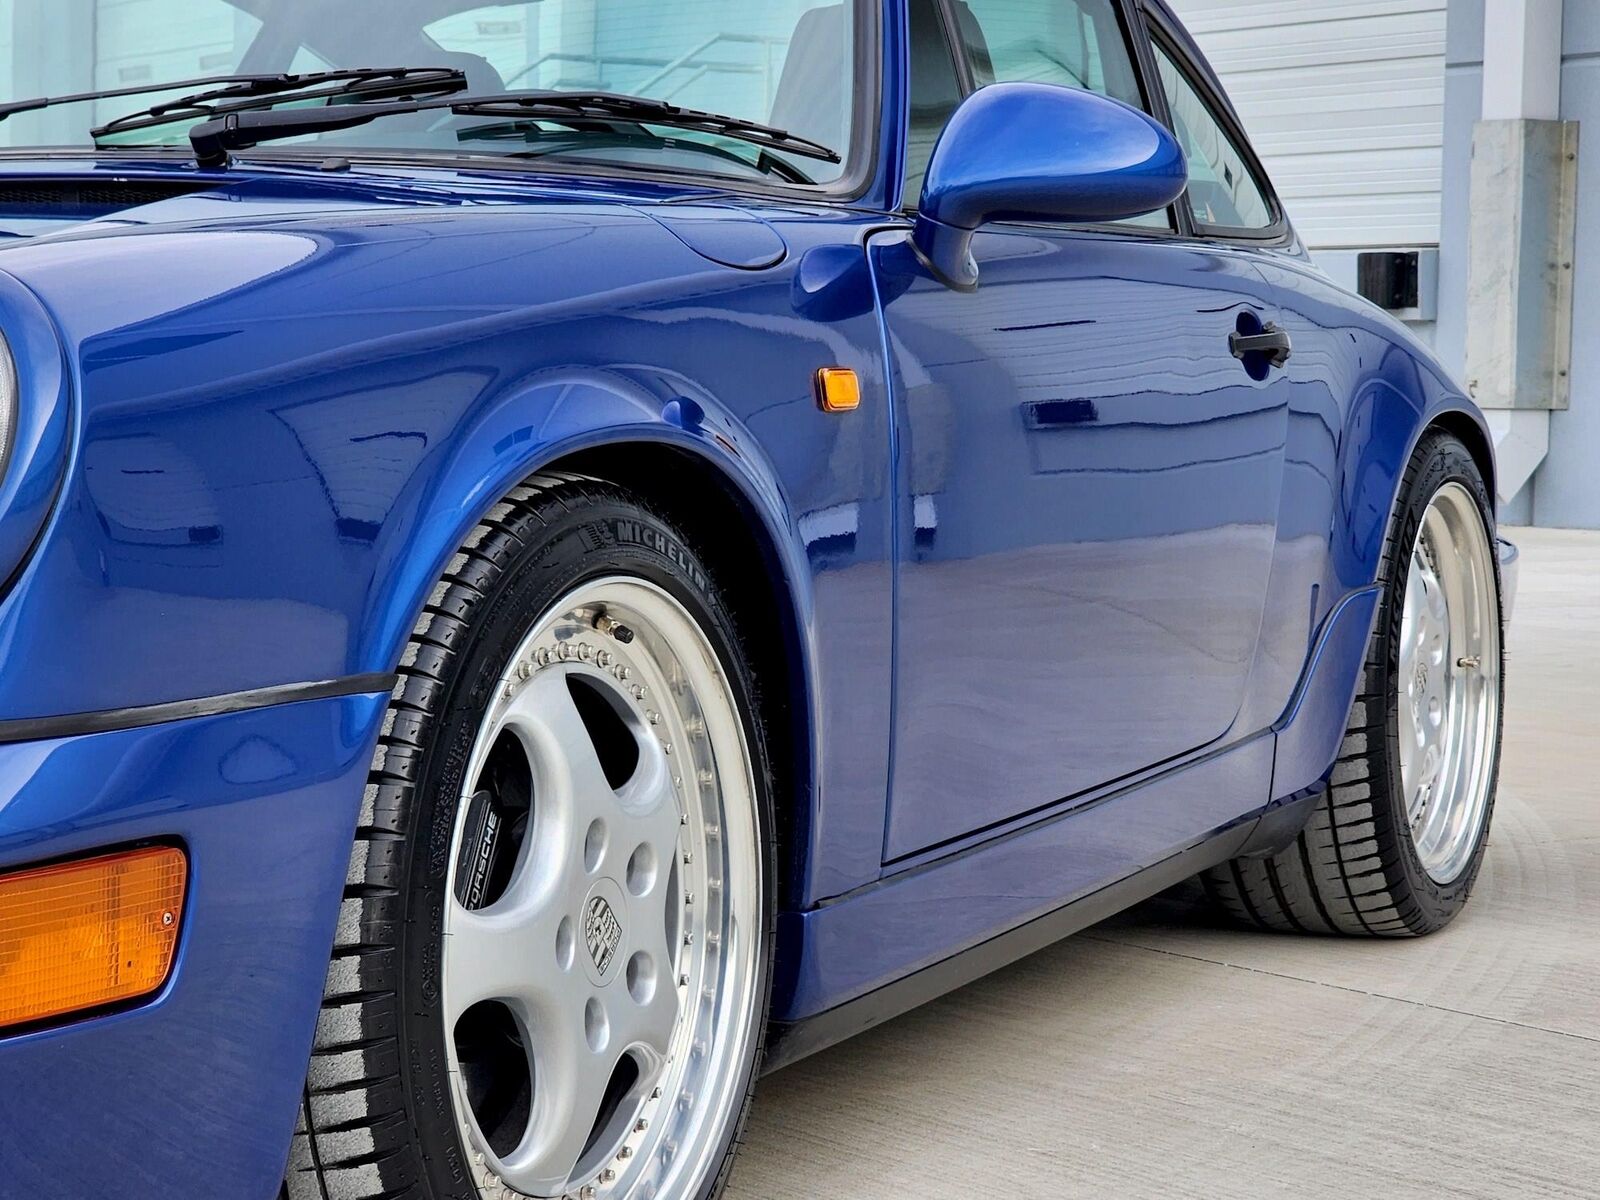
pixel 231 129
pixel 360 85
pixel 241 85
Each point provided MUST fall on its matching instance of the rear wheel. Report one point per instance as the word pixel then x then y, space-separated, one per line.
pixel 1395 844
pixel 552 974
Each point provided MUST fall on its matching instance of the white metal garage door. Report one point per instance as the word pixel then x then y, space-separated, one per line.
pixel 1344 100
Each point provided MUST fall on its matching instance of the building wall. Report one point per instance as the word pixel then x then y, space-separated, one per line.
pixel 1343 100
pixel 1565 491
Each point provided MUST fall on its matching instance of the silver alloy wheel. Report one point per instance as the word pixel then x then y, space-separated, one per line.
pixel 1449 682
pixel 620 954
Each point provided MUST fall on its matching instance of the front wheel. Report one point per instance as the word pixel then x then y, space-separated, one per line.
pixel 1394 845
pixel 552 975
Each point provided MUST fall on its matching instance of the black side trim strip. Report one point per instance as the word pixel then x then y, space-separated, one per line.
pixel 789 1042
pixel 33 729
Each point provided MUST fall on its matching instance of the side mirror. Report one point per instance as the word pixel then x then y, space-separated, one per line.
pixel 1038 152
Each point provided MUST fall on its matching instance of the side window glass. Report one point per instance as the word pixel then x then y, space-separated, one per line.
pixel 1222 190
pixel 1074 43
pixel 935 92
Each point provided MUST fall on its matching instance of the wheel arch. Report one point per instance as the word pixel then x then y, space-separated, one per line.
pixel 694 461
pixel 1469 428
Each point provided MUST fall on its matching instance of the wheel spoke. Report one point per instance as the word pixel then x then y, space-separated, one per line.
pixel 570 1080
pixel 545 716
pixel 506 952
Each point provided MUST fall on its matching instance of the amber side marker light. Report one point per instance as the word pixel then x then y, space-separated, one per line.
pixel 81 935
pixel 838 390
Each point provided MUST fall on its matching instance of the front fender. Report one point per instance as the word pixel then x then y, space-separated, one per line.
pixel 526 429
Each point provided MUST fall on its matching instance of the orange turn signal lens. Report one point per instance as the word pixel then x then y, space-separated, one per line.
pixel 838 390
pixel 83 934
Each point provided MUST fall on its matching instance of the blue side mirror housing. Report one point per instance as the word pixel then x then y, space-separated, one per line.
pixel 1039 152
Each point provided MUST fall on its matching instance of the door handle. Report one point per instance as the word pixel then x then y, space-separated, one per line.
pixel 1273 342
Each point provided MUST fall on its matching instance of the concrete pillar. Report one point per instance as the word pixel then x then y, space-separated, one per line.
pixel 1521 236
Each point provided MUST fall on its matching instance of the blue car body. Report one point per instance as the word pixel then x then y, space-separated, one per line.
pixel 1071 607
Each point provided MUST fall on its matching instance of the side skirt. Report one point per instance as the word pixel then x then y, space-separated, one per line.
pixel 788 1042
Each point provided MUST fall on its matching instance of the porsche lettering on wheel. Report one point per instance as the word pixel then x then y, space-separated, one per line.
pixel 558 557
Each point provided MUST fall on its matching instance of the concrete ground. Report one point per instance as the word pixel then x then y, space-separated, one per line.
pixel 1162 1055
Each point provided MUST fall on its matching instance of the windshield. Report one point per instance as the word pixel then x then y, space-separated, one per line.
pixel 786 63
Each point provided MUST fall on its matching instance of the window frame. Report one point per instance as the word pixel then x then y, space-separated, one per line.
pixel 1159 34
pixel 1153 97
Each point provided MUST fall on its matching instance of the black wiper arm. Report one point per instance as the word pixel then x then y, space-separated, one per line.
pixel 247 84
pixel 359 85
pixel 232 129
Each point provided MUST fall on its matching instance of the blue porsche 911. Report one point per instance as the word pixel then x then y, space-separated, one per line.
pixel 560 555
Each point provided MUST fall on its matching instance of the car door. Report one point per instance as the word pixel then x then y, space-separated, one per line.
pixel 1088 476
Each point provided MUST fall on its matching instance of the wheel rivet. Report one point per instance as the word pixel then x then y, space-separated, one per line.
pixel 688 939
pixel 603 659
pixel 585 651
pixel 683 980
pixel 653 717
pixel 624 1154
pixel 607 1175
pixel 656 1095
pixel 1469 662
pixel 524 670
pixel 713 831
pixel 641 1125
pixel 588 1191
pixel 687 858
pixel 688 899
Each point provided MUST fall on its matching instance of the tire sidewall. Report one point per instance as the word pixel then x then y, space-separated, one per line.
pixel 607 535
pixel 1440 459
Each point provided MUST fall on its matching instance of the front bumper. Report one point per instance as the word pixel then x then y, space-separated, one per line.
pixel 192 1093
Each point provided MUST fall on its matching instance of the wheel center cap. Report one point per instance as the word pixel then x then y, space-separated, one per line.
pixel 602 930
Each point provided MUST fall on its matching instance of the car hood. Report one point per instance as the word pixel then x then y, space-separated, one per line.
pixel 76 199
